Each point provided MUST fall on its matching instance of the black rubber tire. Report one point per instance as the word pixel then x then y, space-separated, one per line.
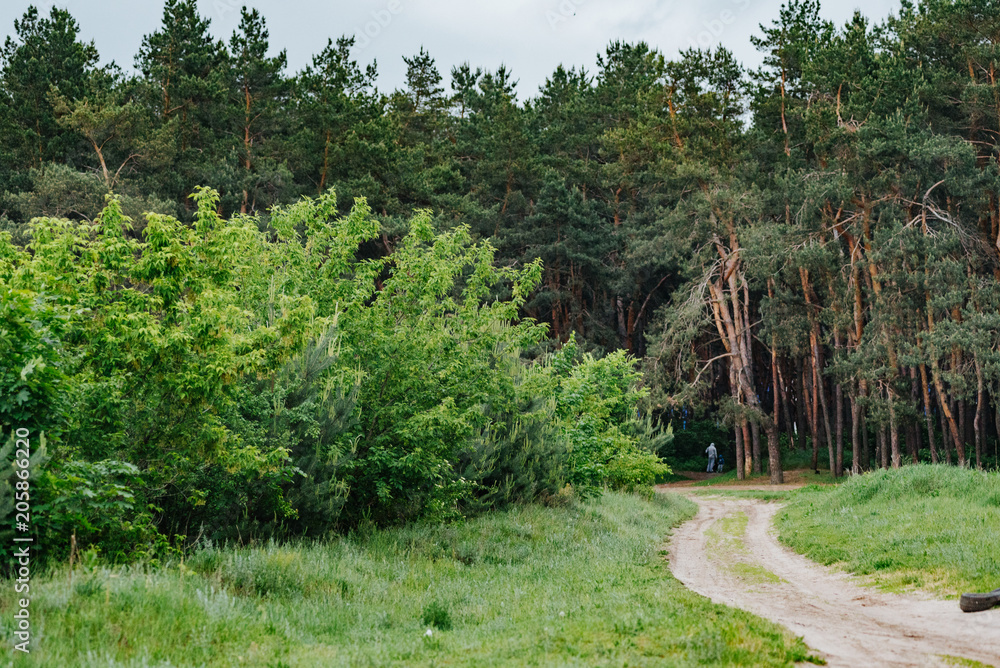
pixel 979 602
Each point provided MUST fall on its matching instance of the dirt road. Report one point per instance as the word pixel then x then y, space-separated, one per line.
pixel 729 553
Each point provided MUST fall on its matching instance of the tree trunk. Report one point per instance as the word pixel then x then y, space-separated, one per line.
pixel 622 328
pixel 943 400
pixel 963 430
pixel 801 402
pixel 996 426
pixel 100 157
pixel 914 428
pixel 918 436
pixel 864 441
pixel 827 431
pixel 727 333
pixel 838 407
pixel 928 420
pixel 818 383
pixel 733 324
pixel 773 442
pixel 751 390
pixel 883 449
pixel 880 448
pixel 747 444
pixel 790 420
pixel 814 416
pixel 740 475
pixel 855 434
pixel 897 459
pixel 755 439
pixel 944 431
pixel 978 421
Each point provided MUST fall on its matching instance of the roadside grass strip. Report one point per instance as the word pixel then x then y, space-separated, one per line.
pixel 726 542
pixel 760 495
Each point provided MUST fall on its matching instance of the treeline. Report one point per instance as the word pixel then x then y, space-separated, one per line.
pixel 843 274
pixel 569 176
pixel 806 251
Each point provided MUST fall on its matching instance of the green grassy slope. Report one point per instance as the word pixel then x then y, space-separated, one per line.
pixel 585 584
pixel 928 526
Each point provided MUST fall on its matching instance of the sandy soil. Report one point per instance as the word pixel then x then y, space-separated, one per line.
pixel 842 621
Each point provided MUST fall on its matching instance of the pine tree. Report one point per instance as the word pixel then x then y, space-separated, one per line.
pixel 257 97
pixel 185 80
pixel 43 53
pixel 427 172
pixel 341 135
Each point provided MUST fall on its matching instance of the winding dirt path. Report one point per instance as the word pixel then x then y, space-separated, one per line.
pixel 846 623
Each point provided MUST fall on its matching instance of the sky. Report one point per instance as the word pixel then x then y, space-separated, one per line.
pixel 530 37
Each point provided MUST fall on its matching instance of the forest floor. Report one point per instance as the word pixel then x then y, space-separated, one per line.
pixel 793 479
pixel 729 553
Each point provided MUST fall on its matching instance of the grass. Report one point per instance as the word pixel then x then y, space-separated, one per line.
pixel 930 527
pixel 960 661
pixel 725 538
pixel 753 574
pixel 726 543
pixel 759 494
pixel 585 584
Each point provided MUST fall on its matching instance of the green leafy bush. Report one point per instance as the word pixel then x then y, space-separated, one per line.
pixel 596 406
pixel 219 381
pixel 129 351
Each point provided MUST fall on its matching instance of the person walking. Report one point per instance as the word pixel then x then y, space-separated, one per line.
pixel 712 454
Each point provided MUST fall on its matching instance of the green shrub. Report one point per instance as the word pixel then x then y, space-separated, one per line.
pixel 596 407
pixel 217 382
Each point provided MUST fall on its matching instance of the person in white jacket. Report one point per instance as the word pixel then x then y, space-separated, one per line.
pixel 712 454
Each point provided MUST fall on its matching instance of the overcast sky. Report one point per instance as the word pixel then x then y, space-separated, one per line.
pixel 531 37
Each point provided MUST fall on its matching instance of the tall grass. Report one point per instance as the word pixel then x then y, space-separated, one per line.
pixel 929 526
pixel 584 584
